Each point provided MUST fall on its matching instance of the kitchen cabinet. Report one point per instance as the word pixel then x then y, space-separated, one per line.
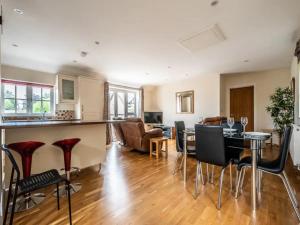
pixel 67 89
pixel 90 104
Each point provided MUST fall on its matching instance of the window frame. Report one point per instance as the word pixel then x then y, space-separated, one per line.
pixel 115 91
pixel 29 90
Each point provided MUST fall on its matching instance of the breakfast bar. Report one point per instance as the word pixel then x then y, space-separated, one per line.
pixel 90 151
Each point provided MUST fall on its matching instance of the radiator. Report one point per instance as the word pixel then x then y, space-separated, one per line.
pixel 295 146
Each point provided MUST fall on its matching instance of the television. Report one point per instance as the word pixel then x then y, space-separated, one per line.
pixel 153 117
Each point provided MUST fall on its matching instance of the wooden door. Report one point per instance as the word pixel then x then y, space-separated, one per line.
pixel 242 104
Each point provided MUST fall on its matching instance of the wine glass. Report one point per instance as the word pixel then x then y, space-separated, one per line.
pixel 230 122
pixel 244 122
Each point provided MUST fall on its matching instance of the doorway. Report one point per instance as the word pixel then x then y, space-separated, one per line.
pixel 242 104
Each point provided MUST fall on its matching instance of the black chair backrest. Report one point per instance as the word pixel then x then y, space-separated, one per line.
pixel 210 146
pixel 15 167
pixel 237 125
pixel 179 128
pixel 284 148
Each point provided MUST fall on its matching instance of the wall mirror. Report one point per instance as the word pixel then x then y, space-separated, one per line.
pixel 185 102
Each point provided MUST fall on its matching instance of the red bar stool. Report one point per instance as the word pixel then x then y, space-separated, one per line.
pixel 67 145
pixel 26 149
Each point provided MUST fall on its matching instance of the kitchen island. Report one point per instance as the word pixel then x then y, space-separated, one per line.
pixel 90 151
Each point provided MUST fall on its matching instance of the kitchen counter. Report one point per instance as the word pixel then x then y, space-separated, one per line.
pixel 90 151
pixel 52 123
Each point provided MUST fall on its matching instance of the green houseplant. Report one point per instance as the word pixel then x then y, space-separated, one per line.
pixel 281 109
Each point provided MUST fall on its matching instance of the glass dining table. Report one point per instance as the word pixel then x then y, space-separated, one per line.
pixel 256 139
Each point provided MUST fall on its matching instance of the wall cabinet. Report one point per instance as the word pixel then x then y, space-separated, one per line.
pixel 67 89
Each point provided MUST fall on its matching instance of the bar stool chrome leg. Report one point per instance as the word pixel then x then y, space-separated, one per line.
pixel 63 189
pixel 28 201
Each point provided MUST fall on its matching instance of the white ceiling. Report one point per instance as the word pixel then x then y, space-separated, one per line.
pixel 139 39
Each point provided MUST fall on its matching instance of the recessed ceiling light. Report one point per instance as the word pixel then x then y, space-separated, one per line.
pixel 169 67
pixel 83 54
pixel 15 45
pixel 74 61
pixel 97 42
pixel 186 75
pixel 214 3
pixel 19 11
pixel 147 74
pixel 246 60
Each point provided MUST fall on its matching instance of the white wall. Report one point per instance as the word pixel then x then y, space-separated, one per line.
pixel 16 73
pixel 150 98
pixel 207 98
pixel 264 83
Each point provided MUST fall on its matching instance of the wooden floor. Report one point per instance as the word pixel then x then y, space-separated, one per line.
pixel 132 189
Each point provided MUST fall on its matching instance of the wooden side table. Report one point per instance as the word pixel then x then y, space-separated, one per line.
pixel 159 141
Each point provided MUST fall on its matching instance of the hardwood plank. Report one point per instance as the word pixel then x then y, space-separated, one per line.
pixel 132 189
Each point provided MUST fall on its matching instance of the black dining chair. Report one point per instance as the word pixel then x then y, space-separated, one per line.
pixel 179 136
pixel 274 167
pixel 210 148
pixel 29 184
pixel 235 147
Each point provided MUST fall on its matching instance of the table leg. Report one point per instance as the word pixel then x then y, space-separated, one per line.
pixel 259 173
pixel 184 158
pixel 254 173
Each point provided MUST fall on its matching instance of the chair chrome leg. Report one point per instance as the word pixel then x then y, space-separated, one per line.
pixel 212 174
pixel 237 188
pixel 207 171
pixel 57 195
pixel 175 166
pixel 290 188
pixel 220 188
pixel 290 195
pixel 197 179
pixel 69 203
pixel 201 174
pixel 230 176
pixel 181 163
pixel 243 178
pixel 236 177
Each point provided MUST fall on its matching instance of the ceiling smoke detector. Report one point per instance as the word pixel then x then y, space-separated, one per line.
pixel 83 54
pixel 15 45
pixel 97 42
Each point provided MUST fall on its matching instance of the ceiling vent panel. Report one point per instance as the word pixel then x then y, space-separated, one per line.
pixel 208 37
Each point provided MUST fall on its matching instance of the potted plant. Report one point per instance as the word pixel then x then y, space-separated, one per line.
pixel 281 109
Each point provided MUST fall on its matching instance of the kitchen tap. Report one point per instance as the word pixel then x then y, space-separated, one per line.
pixel 44 115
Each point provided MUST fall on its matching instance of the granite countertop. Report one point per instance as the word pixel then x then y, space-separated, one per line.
pixel 53 123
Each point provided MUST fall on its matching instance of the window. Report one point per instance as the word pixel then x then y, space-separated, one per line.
pixel 21 98
pixel 123 103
